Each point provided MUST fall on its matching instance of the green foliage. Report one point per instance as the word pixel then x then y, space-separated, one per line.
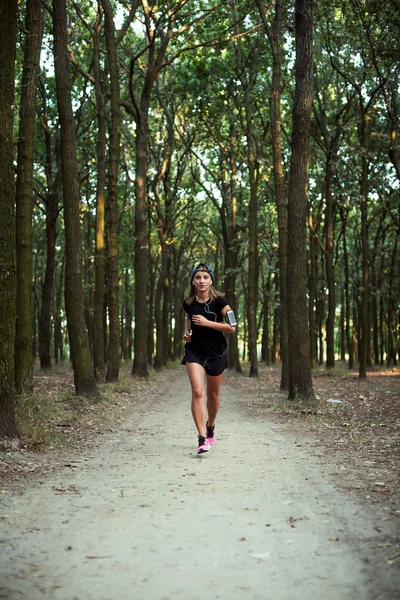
pixel 198 164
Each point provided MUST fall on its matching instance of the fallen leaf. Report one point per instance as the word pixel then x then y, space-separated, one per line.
pixel 391 559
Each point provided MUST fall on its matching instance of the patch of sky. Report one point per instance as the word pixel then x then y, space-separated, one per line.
pixel 247 21
pixel 356 59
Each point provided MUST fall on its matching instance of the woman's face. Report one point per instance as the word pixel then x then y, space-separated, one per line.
pixel 202 281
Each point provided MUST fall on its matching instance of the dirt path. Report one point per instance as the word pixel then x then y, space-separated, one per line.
pixel 141 517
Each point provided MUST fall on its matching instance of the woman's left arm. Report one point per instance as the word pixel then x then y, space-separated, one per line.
pixel 224 327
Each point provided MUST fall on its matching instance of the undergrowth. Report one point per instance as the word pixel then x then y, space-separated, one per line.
pixel 35 415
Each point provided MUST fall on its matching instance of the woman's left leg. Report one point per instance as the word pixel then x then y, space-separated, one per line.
pixel 213 401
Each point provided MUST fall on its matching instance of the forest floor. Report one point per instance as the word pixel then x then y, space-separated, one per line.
pixel 110 500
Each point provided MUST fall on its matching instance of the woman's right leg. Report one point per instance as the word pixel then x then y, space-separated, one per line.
pixel 196 378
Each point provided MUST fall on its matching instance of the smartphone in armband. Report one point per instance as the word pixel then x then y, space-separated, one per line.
pixel 230 316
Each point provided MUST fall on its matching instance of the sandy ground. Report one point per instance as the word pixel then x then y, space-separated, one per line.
pixel 139 516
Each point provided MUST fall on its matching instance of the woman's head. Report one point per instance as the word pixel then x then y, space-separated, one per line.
pixel 201 280
pixel 202 267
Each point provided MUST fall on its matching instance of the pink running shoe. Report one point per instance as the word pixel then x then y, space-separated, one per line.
pixel 210 434
pixel 203 445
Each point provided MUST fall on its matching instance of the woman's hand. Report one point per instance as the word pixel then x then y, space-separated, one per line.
pixel 187 337
pixel 200 320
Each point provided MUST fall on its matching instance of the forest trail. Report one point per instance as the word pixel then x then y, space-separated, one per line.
pixel 141 517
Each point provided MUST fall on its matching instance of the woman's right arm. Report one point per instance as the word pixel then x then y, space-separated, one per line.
pixel 188 330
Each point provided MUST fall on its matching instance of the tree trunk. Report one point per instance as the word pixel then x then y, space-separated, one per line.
pixel 349 339
pixel 364 312
pixel 141 247
pixel 342 328
pixel 113 355
pixel 374 319
pixel 265 346
pixel 52 211
pixel 274 35
pixel 253 245
pixel 8 32
pixel 140 360
pixel 151 286
pixel 99 334
pixel 47 287
pixel 160 359
pixel 321 326
pixel 330 272
pixel 58 335
pixel 80 354
pixel 356 326
pixel 391 325
pixel 87 274
pixel 312 298
pixel 128 319
pixel 381 323
pixel 300 382
pixel 277 321
pixel 24 194
pixel 230 289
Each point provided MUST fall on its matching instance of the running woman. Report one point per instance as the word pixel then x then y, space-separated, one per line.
pixel 205 349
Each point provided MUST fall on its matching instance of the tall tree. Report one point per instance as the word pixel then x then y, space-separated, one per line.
pixel 80 353
pixel 24 195
pixel 247 74
pixel 99 352
pixel 158 40
pixel 113 353
pixel 274 37
pixel 51 201
pixel 8 34
pixel 300 381
pixel 331 112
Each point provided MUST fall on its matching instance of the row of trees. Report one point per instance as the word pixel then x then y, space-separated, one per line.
pixel 152 136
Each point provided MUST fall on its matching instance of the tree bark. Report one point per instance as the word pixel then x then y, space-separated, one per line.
pixel 127 350
pixel 330 271
pixel 160 359
pixel 51 202
pixel 58 333
pixel 265 344
pixel 349 338
pixel 24 195
pixel 47 287
pixel 374 319
pixel 141 244
pixel 342 332
pixel 8 34
pixel 99 334
pixel 80 354
pixel 312 296
pixel 274 36
pixel 364 312
pixel 253 265
pixel 113 355
pixel 231 258
pixel 321 325
pixel 155 61
pixel 300 382
pixel 391 325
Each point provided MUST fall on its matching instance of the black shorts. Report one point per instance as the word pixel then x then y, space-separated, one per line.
pixel 212 366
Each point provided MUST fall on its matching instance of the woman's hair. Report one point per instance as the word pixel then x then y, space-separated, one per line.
pixel 192 294
pixel 213 292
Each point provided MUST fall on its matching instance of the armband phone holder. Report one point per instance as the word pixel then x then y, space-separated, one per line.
pixel 230 315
